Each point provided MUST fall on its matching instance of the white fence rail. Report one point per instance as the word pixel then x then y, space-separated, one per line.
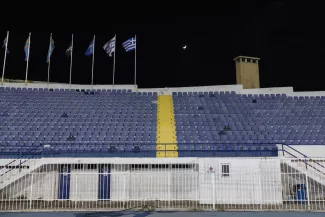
pixel 274 184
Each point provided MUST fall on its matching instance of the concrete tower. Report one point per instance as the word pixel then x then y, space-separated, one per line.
pixel 247 72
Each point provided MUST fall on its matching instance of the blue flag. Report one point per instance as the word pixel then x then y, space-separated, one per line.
pixel 26 48
pixel 90 49
pixel 129 45
pixel 51 48
pixel 5 44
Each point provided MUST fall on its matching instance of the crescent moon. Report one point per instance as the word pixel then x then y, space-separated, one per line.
pixel 184 47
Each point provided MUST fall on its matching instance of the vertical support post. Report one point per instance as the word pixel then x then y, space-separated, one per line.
pixel 76 190
pixel 49 61
pixel 307 187
pixel 135 62
pixel 20 159
pixel 260 188
pixel 124 189
pixel 213 190
pixel 29 43
pixel 169 186
pixel 31 192
pixel 197 183
pixel 5 57
pixel 114 62
pixel 71 61
pixel 92 65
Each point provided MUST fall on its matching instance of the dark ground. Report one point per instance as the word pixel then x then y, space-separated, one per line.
pixel 163 214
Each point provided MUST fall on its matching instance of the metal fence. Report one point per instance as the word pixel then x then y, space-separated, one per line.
pixel 229 184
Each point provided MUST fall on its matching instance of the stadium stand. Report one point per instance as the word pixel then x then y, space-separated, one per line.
pixel 77 121
pixel 256 121
pixel 135 124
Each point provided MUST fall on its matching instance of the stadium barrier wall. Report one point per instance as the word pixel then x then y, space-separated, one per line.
pixel 163 184
pixel 168 90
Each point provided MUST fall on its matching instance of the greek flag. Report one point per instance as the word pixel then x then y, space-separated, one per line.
pixel 5 44
pixel 129 45
pixel 51 48
pixel 109 47
pixel 26 48
pixel 90 49
pixel 68 52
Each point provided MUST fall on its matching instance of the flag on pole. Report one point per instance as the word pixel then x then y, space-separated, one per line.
pixel 5 44
pixel 51 48
pixel 129 45
pixel 90 49
pixel 109 47
pixel 26 48
pixel 68 52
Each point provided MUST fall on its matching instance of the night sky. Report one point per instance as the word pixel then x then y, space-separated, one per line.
pixel 288 37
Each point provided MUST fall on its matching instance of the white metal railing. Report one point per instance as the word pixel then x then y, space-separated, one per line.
pixel 272 186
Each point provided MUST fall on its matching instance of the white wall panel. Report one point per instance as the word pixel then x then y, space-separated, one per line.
pixel 84 184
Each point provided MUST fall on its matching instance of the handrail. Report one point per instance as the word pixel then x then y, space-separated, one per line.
pixel 9 163
pixel 305 158
pixel 19 163
pixel 305 162
pixel 304 155
pixel 12 169
pixel 296 150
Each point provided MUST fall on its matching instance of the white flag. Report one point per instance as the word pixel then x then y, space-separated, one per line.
pixel 109 47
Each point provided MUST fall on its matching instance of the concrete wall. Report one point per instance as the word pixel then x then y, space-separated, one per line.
pixel 168 90
pixel 84 184
pixel 67 86
pixel 312 151
pixel 37 186
pixel 250 181
pixel 201 180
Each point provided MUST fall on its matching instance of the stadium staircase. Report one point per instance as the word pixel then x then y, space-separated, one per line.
pixel 166 129
pixel 17 169
pixel 301 166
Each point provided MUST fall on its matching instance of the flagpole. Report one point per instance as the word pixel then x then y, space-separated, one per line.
pixel 114 63
pixel 29 42
pixel 49 64
pixel 92 68
pixel 71 62
pixel 135 63
pixel 5 57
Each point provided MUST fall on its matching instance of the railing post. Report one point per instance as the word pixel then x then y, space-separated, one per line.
pixel 76 202
pixel 169 186
pixel 213 190
pixel 261 188
pixel 307 188
pixel 197 183
pixel 124 189
pixel 31 192
pixel 20 159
